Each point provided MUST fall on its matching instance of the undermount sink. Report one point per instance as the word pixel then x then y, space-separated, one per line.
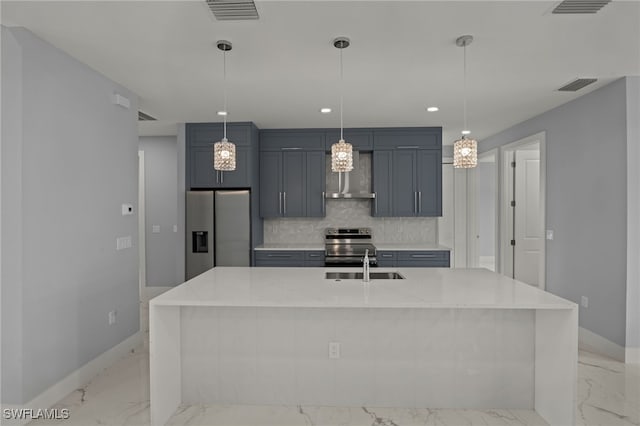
pixel 358 276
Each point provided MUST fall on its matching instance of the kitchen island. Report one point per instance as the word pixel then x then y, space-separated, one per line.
pixel 440 338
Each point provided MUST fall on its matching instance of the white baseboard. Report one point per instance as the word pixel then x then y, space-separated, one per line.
pixel 592 342
pixel 77 379
pixel 151 292
pixel 632 356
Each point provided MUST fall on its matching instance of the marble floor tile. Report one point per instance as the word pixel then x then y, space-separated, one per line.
pixel 608 395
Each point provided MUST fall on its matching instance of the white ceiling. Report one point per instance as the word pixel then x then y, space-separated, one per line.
pixel 403 57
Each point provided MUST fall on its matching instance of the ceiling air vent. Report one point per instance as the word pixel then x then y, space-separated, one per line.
pixel 577 84
pixel 145 117
pixel 580 6
pixel 233 10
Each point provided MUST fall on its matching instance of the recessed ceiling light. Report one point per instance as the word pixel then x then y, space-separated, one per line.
pixel 466 132
pixel 325 110
pixel 222 112
pixel 433 109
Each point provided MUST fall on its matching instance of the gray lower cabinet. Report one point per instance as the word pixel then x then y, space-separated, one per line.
pixel 289 258
pixel 414 259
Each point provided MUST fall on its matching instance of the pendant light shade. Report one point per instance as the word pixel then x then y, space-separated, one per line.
pixel 224 152
pixel 224 155
pixel 341 156
pixel 465 153
pixel 465 150
pixel 341 152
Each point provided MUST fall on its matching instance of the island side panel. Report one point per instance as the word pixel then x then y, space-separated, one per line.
pixel 164 362
pixel 467 358
pixel 556 361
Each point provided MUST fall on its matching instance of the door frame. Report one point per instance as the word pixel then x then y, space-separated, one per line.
pixel 473 209
pixel 506 219
pixel 142 246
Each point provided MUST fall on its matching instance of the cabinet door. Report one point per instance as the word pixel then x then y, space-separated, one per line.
pixel 201 172
pixel 270 188
pixel 404 176
pixel 429 183
pixel 382 179
pixel 315 183
pixel 386 258
pixel 360 139
pixel 293 184
pixel 241 176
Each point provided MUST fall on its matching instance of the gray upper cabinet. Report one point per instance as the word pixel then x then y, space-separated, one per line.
pixel 360 139
pixel 292 173
pixel 200 138
pixel 407 172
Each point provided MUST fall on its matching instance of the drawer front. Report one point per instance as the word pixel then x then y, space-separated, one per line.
pixel 408 138
pixel 280 263
pixel 422 255
pixel 423 259
pixel 280 255
pixel 314 256
pixel 386 258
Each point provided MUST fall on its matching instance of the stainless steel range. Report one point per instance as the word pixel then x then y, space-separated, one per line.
pixel 347 246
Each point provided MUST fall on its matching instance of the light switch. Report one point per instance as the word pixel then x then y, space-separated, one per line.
pixel 155 229
pixel 175 228
pixel 127 209
pixel 549 234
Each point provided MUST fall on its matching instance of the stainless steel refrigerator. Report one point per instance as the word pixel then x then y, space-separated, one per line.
pixel 218 226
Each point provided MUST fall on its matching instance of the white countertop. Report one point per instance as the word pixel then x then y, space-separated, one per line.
pixel 307 288
pixel 379 246
pixel 410 246
pixel 291 246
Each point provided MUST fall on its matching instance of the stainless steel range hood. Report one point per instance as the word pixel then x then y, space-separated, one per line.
pixel 353 185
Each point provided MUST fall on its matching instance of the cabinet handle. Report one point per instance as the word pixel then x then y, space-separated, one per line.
pixel 279 255
pixel 323 202
pixel 284 203
pixel 279 202
pixel 217 176
pixel 290 148
pixel 375 205
pixel 423 256
pixel 313 255
pixel 419 201
pixel 221 176
pixel 387 255
pixel 407 147
pixel 415 202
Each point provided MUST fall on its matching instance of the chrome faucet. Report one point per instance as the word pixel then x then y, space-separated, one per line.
pixel 365 267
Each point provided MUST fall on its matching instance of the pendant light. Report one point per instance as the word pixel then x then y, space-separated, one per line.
pixel 465 150
pixel 224 152
pixel 341 152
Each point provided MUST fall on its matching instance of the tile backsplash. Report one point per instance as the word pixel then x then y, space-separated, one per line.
pixel 351 213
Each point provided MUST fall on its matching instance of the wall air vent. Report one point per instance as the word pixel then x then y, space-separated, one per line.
pixel 580 6
pixel 145 117
pixel 233 10
pixel 577 84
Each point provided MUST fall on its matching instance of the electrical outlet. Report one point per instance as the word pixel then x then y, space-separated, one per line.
pixel 584 301
pixel 549 234
pixel 334 350
pixel 112 317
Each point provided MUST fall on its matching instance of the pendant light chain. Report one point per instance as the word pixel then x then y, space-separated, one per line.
pixel 224 91
pixel 341 96
pixel 464 95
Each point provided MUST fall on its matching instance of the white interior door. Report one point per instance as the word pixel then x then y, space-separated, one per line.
pixel 528 232
pixel 486 211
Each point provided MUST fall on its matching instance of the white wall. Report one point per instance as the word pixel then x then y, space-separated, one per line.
pixel 633 213
pixel 586 200
pixel 69 161
pixel 161 192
